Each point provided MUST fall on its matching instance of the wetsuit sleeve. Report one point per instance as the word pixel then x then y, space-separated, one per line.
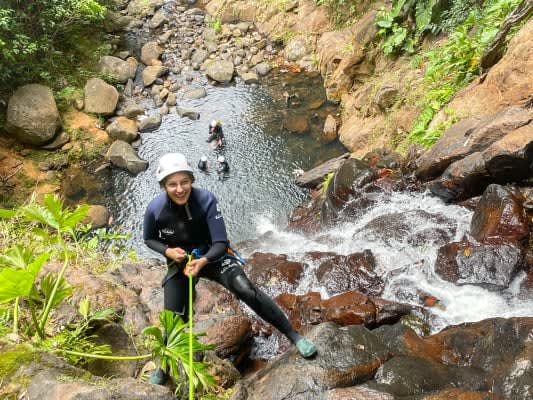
pixel 217 230
pixel 150 233
pixel 211 137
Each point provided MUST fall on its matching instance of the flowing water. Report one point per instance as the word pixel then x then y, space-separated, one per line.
pixel 259 195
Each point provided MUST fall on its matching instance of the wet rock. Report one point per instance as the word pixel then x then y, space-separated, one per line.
pixel 124 156
pixel 296 124
pixel 356 271
pixel 357 392
pixel 274 273
pixel 199 56
pixel 32 115
pixel 263 68
pixel 382 158
pixel 491 266
pixel 100 97
pixel 296 48
pixel 500 217
pixel 342 360
pixel 250 78
pixel 229 333
pixel 149 124
pixel 330 129
pixel 195 93
pixel 130 109
pixel 171 99
pixel 142 8
pixel 415 227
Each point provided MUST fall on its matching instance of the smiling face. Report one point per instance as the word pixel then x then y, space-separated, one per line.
pixel 178 187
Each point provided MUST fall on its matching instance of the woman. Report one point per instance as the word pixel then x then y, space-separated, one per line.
pixel 184 218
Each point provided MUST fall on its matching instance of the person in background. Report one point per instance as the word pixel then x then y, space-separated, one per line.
pixel 183 220
pixel 223 166
pixel 215 133
pixel 202 164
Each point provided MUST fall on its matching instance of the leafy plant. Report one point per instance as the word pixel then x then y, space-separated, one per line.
pixel 215 23
pixel 341 12
pixel 173 350
pixel 76 338
pixel 455 63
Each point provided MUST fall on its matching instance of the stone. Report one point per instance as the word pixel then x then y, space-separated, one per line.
pixel 100 97
pixel 119 69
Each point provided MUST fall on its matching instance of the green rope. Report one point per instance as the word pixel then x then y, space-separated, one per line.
pixel 191 387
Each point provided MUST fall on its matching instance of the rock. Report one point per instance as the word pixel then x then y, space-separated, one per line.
pixel 470 135
pixel 149 124
pixel 274 273
pixel 142 8
pixel 195 93
pixel 499 217
pixel 150 52
pixel 296 48
pixel 491 266
pixel 150 74
pixel 97 216
pixel 386 96
pixel 119 69
pixel 124 156
pixel 188 112
pixel 124 129
pixel 130 109
pixel 58 141
pixel 171 99
pixel 296 124
pixel 330 129
pixel 220 71
pixel 250 77
pixel 312 178
pixel 100 98
pixel 199 56
pixel 32 115
pixel 157 20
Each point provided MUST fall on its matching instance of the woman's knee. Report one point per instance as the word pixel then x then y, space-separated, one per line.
pixel 243 288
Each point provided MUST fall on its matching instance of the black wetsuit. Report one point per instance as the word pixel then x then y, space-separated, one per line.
pixel 216 134
pixel 223 167
pixel 200 225
pixel 202 165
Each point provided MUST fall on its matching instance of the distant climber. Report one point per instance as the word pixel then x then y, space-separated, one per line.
pixel 202 164
pixel 215 133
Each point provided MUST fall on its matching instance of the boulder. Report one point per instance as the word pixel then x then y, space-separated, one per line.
pixel 32 115
pixel 500 217
pixel 274 273
pixel 119 69
pixel 100 97
pixel 220 71
pixel 296 124
pixel 195 93
pixel 330 129
pixel 142 8
pixel 150 52
pixel 151 73
pixel 297 47
pixel 97 216
pixel 124 156
pixel 157 20
pixel 490 266
pixel 315 176
pixel 124 129
pixel 470 135
pixel 188 112
pixel 150 123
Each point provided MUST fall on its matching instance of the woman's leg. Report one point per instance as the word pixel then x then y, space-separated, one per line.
pixel 233 278
pixel 176 295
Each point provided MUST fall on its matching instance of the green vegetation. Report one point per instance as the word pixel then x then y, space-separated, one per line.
pixel 450 64
pixel 173 353
pixel 48 40
pixel 58 236
pixel 341 12
pixel 455 63
pixel 215 23
pixel 13 358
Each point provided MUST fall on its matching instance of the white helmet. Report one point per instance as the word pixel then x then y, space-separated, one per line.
pixel 171 163
pixel 221 159
pixel 214 123
pixel 203 158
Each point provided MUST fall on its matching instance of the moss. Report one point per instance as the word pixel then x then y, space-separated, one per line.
pixel 417 324
pixel 12 359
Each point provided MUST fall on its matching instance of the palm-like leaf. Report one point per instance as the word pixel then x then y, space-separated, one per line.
pixel 174 354
pixel 63 289
pixel 16 257
pixel 7 213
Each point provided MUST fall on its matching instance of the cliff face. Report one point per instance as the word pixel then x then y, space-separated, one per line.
pixel 378 95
